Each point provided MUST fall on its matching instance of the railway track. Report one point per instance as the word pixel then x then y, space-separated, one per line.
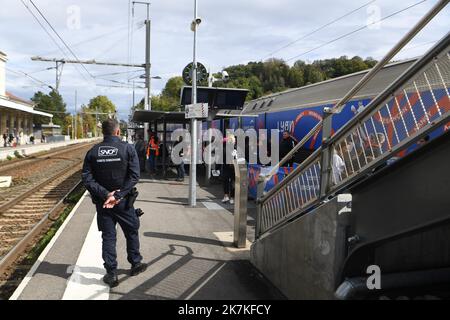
pixel 20 215
pixel 38 157
pixel 29 173
pixel 27 214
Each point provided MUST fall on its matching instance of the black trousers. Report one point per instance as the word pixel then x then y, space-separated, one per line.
pixel 142 163
pixel 129 222
pixel 180 171
pixel 228 179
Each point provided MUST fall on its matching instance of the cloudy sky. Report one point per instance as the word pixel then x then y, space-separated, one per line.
pixel 231 32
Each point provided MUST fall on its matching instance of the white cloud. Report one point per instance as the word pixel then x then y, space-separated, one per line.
pixel 232 32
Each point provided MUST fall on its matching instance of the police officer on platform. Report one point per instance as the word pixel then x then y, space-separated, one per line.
pixel 110 171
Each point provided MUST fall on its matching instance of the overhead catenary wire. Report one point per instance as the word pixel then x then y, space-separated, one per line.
pixel 356 30
pixel 115 73
pixel 40 70
pixel 138 26
pixel 51 37
pixel 65 49
pixel 119 86
pixel 319 28
pixel 100 36
pixel 60 38
pixel 115 81
pixel 22 73
pixel 43 28
pixel 420 45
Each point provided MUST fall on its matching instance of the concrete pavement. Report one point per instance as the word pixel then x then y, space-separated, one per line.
pixel 188 251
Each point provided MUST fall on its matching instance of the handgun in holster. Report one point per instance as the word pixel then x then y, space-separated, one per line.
pixel 131 198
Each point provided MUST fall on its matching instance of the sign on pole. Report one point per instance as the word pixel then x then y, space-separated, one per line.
pixel 196 110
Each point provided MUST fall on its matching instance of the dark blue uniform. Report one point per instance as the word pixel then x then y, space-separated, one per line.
pixel 114 165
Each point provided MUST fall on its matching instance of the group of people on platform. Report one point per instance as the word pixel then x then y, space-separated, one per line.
pixel 14 139
pixel 287 143
pixel 149 154
pixel 112 169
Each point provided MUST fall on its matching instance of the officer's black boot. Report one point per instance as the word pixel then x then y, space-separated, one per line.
pixel 111 279
pixel 138 268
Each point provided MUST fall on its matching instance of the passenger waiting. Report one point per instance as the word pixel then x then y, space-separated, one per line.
pixel 180 167
pixel 371 148
pixel 228 170
pixel 338 166
pixel 140 150
pixel 287 143
pixel 5 140
pixel 423 141
pixel 152 153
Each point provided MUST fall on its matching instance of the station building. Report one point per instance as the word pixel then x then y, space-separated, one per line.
pixel 16 114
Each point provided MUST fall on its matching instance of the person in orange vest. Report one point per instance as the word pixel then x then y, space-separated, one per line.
pixel 152 153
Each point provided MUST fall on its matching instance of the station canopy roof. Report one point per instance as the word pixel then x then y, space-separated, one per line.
pixel 216 98
pixel 150 116
pixel 233 114
pixel 179 117
pixel 14 103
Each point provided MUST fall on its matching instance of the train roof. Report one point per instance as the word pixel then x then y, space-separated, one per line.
pixel 328 91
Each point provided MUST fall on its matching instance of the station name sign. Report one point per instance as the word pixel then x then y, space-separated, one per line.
pixel 196 110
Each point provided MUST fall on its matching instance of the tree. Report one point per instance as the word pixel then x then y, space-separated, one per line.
pixel 161 103
pixel 123 128
pixel 139 106
pixel 105 109
pixel 172 90
pixel 102 104
pixel 80 124
pixel 262 78
pixel 68 124
pixel 169 99
pixel 313 74
pixel 89 124
pixel 52 103
pixel 296 77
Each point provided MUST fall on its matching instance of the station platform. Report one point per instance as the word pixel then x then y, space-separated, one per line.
pixel 29 149
pixel 189 253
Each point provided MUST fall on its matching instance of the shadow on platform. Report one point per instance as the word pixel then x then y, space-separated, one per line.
pixel 191 277
pixel 65 271
pixel 180 237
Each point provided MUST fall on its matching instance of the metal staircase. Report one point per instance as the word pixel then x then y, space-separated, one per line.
pixel 413 106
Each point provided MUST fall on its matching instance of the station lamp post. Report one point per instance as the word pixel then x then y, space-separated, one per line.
pixel 193 167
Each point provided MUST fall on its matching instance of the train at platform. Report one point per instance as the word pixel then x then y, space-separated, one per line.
pixel 299 110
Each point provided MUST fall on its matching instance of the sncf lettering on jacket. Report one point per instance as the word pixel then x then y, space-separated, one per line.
pixel 106 151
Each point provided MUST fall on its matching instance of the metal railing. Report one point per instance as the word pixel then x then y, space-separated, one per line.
pixel 411 107
pixel 298 190
pixel 393 121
